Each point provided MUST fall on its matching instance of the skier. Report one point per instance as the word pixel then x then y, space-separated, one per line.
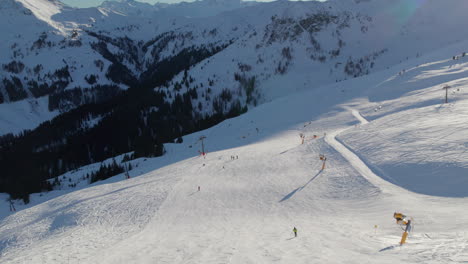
pixel 12 206
pixel 198 188
pixel 295 231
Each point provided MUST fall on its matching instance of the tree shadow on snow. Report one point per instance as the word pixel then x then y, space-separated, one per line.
pixel 291 194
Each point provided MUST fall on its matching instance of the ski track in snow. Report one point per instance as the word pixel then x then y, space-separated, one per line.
pixel 353 159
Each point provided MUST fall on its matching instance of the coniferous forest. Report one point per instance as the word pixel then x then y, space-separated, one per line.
pixel 139 119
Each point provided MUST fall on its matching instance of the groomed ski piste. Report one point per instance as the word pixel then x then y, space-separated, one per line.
pixel 390 142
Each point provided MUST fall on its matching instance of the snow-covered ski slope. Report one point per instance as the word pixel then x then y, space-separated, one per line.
pixel 391 145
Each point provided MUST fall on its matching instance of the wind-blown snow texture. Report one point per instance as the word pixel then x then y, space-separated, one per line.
pixel 391 144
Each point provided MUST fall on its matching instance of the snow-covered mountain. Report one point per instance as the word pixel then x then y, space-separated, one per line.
pixel 350 124
pixel 60 49
pixel 65 56
pixel 390 141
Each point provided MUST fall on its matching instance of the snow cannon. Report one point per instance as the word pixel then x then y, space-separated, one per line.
pixel 402 220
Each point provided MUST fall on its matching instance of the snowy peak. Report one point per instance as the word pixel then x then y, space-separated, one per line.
pixel 184 9
pixel 45 10
pixel 202 8
pixel 128 7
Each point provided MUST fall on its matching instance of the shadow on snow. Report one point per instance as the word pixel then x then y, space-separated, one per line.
pixel 291 194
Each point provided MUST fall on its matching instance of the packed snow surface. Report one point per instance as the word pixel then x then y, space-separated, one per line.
pixel 390 143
